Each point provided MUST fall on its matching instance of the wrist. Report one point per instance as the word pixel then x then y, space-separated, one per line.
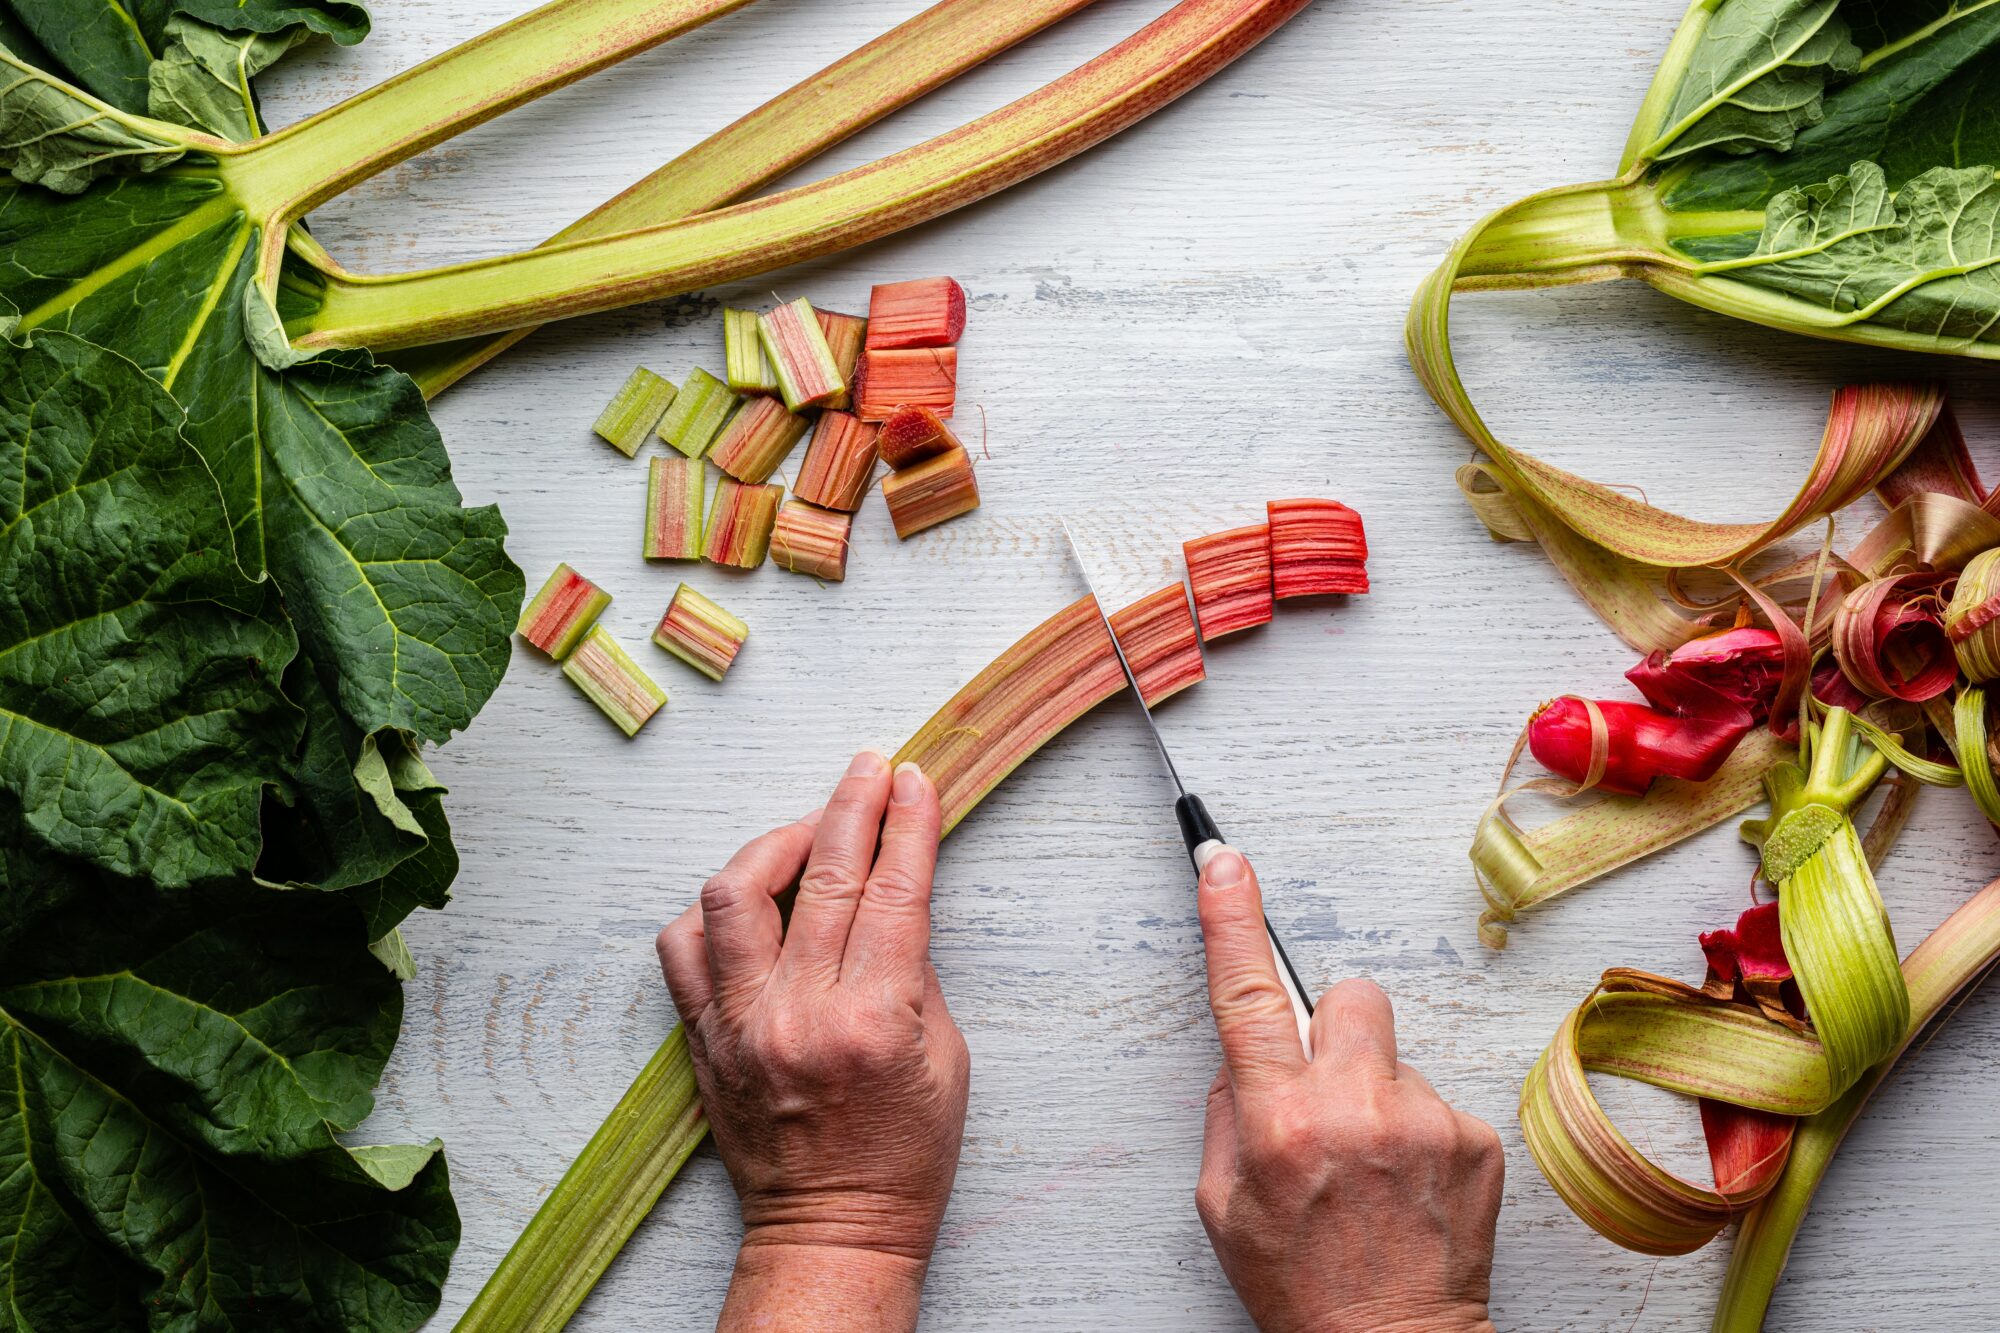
pixel 794 1284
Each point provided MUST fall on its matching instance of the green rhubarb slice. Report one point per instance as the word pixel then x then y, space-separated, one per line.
pixel 748 369
pixel 698 414
pixel 609 678
pixel 701 633
pixel 631 416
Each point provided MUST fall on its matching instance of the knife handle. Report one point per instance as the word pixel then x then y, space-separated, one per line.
pixel 1204 839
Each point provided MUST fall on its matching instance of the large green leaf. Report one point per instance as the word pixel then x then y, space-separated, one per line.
pixel 107 47
pixel 1927 96
pixel 168 1157
pixel 333 474
pixel 1757 77
pixel 140 712
pixel 1922 259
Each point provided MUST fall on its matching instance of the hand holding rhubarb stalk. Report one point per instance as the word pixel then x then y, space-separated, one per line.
pixel 1340 1193
pixel 832 1074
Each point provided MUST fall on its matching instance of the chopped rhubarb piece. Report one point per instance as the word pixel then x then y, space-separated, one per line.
pixel 562 612
pixel 701 633
pixel 845 335
pixel 912 434
pixel 804 364
pixel 1317 546
pixel 749 370
pixel 614 682
pixel 889 380
pixel 698 414
pixel 757 439
pixel 673 508
pixel 1231 574
pixel 929 312
pixel 809 540
pixel 934 490
pixel 630 418
pixel 1158 635
pixel 740 518
pixel 840 462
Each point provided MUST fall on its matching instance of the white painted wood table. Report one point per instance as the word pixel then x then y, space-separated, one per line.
pixel 1201 314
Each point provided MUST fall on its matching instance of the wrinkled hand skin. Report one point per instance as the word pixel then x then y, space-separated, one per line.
pixel 833 1076
pixel 1342 1195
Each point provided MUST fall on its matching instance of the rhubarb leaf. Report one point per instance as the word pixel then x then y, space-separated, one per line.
pixel 1756 77
pixel 168 1153
pixel 55 138
pixel 334 476
pixel 107 47
pixel 1922 259
pixel 140 713
pixel 203 78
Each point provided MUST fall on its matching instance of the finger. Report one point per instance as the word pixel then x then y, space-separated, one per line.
pixel 1253 1015
pixel 684 963
pixel 842 855
pixel 1354 1030
pixel 890 943
pixel 739 915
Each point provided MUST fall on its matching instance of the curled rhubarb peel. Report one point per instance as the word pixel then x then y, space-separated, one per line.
pixel 1054 675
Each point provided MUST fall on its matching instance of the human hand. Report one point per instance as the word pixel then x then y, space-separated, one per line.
pixel 832 1074
pixel 1342 1195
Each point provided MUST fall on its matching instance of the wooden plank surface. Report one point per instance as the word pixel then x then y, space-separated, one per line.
pixel 1202 314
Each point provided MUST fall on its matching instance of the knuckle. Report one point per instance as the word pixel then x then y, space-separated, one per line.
pixel 894 886
pixel 1481 1140
pixel 722 893
pixel 832 877
pixel 1211 1200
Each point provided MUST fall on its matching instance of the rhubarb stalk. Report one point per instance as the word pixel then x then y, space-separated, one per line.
pixel 556 618
pixel 673 508
pixel 756 440
pixel 794 344
pixel 934 490
pixel 929 312
pixel 609 678
pixel 1158 635
pixel 809 540
pixel 1317 547
pixel 1230 573
pixel 920 377
pixel 845 335
pixel 701 633
pixel 740 518
pixel 749 370
pixel 631 416
pixel 840 462
pixel 912 434
pixel 698 414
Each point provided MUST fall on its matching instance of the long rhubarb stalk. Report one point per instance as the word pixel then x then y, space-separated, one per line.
pixel 1169 57
pixel 1055 674
pixel 905 63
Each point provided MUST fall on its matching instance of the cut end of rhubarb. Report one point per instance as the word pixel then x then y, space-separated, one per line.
pixel 893 379
pixel 840 462
pixel 1230 573
pixel 631 416
pixel 934 490
pixel 845 335
pixel 748 369
pixel 609 677
pixel 757 439
pixel 556 618
pixel 698 414
pixel 811 540
pixel 1158 635
pixel 740 519
pixel 928 312
pixel 701 633
pixel 674 497
pixel 796 347
pixel 912 434
pixel 1317 547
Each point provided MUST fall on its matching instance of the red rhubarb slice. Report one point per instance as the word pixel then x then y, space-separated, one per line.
pixel 1231 576
pixel 1317 547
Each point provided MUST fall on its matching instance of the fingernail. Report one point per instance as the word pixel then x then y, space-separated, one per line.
pixel 868 764
pixel 909 788
pixel 1226 869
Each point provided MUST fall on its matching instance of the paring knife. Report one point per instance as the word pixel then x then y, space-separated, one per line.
pixel 1198 828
